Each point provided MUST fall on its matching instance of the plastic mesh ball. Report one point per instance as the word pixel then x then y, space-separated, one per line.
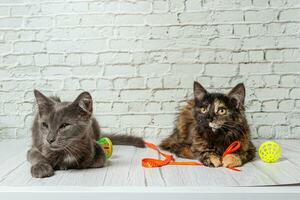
pixel 270 152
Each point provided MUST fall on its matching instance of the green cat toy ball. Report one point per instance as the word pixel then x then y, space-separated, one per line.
pixel 270 152
pixel 106 145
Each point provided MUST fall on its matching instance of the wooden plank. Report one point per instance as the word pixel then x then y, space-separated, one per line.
pixel 118 172
pixel 11 164
pixel 135 176
pixel 19 177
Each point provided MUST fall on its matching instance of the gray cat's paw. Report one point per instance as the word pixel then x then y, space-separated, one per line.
pixel 42 170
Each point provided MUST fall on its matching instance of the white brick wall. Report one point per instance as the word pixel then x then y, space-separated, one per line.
pixel 139 58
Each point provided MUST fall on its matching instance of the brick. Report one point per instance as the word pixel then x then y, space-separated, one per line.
pixel 129 20
pixel 28 47
pixel 170 94
pixel 89 59
pixel 290 81
pixel 290 15
pixel 215 69
pixel 256 56
pixel 88 84
pixel 137 95
pixel 274 55
pixel 56 59
pixel 226 43
pixel 135 120
pixel 287 68
pixel 171 82
pixel 271 93
pixel 153 69
pixel 295 93
pixel 152 107
pixel 269 118
pixel 115 58
pixel 96 20
pixel 286 105
pixel 39 22
pixel 193 17
pixel 73 59
pixel 154 83
pixel 10 22
pixel 258 43
pixel 187 68
pixel 255 68
pixel 260 16
pixel 161 19
pixel 177 6
pixel 160 6
pixel 136 83
pixel 295 132
pixel 163 120
pixel 136 107
pixel 105 84
pixel 227 16
pixel 119 107
pixel 271 105
pixel 56 72
pixel 120 71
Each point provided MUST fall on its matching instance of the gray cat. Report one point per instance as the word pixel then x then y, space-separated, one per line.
pixel 64 136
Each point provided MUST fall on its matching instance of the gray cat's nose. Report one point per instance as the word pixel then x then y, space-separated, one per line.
pixel 50 139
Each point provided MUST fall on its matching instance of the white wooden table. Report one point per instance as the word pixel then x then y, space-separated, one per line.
pixel 124 177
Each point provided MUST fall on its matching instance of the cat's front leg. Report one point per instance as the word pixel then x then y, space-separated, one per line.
pixel 244 155
pixel 40 167
pixel 99 157
pixel 210 159
pixel 207 157
pixel 232 160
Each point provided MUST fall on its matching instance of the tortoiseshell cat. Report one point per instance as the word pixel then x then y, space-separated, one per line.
pixel 64 136
pixel 207 125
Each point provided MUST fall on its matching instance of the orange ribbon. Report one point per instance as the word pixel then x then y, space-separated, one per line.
pixel 169 159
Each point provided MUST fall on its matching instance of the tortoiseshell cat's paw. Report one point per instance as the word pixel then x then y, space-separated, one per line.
pixel 231 160
pixel 211 161
pixel 42 170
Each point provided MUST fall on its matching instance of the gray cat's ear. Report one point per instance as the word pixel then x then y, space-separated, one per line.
pixel 238 93
pixel 44 103
pixel 85 102
pixel 199 91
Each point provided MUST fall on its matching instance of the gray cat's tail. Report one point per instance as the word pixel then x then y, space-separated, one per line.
pixel 126 140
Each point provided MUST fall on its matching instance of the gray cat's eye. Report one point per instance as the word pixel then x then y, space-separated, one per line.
pixel 64 125
pixel 45 125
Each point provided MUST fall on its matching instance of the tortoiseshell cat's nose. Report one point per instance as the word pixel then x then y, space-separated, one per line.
pixel 210 118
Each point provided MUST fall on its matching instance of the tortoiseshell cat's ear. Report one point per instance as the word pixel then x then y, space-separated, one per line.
pixel 238 93
pixel 199 91
pixel 85 104
pixel 44 103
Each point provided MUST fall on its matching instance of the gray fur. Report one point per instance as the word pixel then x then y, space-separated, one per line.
pixel 64 136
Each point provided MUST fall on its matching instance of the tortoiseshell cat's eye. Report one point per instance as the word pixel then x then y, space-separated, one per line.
pixel 203 110
pixel 222 111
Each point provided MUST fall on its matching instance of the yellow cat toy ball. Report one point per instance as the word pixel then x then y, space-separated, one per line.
pixel 106 145
pixel 269 152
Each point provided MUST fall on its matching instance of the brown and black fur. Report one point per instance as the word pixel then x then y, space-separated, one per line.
pixel 64 136
pixel 204 132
